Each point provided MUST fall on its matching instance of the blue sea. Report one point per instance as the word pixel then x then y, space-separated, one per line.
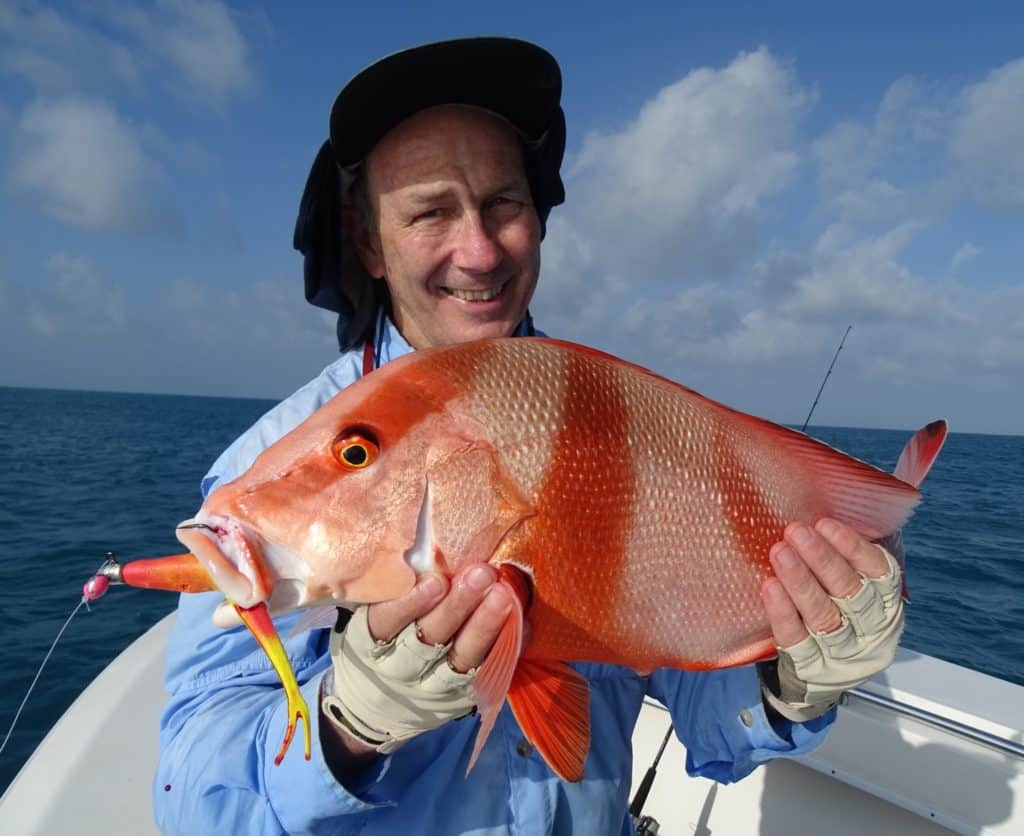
pixel 82 473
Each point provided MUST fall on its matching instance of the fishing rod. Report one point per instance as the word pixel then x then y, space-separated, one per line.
pixel 821 389
pixel 647 824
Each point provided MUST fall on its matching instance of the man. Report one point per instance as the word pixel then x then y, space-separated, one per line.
pixel 421 225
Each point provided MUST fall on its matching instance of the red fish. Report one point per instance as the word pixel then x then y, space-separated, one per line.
pixel 631 516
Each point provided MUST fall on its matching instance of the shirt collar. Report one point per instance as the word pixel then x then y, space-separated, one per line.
pixel 390 344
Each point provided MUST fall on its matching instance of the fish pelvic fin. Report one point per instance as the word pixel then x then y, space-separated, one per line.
pixel 492 681
pixel 912 466
pixel 257 619
pixel 551 703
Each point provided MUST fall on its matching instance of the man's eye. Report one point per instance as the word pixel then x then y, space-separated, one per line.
pixel 505 207
pixel 430 214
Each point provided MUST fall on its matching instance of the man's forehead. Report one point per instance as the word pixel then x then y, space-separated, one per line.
pixel 445 137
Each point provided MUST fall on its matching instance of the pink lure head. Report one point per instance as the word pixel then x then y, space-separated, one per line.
pixel 95 587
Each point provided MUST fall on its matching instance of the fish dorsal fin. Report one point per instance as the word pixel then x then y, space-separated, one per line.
pixel 551 703
pixel 492 680
pixel 920 453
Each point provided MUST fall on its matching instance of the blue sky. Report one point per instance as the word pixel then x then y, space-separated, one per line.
pixel 743 182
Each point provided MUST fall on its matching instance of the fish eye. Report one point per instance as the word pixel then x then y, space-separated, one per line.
pixel 355 454
pixel 356 449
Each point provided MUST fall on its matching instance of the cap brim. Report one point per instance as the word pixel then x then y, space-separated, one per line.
pixel 514 78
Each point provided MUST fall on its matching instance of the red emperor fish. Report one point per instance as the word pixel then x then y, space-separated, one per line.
pixel 632 517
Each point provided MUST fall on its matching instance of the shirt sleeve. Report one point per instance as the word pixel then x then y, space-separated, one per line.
pixel 720 719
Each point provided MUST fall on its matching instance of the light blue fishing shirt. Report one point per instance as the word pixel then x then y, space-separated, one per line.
pixel 226 719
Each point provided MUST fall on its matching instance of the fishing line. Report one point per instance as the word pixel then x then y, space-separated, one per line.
pixel 92 590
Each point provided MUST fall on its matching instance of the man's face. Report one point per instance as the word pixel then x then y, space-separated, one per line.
pixel 456 236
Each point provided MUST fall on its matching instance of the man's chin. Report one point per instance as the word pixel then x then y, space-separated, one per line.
pixel 472 325
pixel 485 331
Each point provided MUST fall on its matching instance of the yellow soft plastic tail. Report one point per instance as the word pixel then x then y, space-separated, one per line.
pixel 257 619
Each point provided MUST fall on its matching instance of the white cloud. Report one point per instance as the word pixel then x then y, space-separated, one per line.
pixel 58 55
pixel 71 299
pixel 106 47
pixel 883 170
pixel 80 326
pixel 686 176
pixel 965 253
pixel 263 314
pixel 75 152
pixel 85 165
pixel 628 263
pixel 669 203
pixel 199 39
pixel 989 134
pixel 80 288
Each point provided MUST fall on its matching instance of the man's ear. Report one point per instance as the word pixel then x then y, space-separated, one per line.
pixel 366 242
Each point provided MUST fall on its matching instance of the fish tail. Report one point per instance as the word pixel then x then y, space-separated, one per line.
pixel 920 453
pixel 912 466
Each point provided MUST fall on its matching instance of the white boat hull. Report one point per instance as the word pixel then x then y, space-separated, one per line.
pixel 881 770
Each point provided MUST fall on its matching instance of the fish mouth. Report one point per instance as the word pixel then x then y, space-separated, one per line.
pixel 227 553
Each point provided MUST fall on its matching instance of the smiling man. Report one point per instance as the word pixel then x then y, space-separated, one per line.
pixel 421 225
pixel 448 223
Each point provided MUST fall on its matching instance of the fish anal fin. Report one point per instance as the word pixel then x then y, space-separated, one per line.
pixel 551 702
pixel 492 680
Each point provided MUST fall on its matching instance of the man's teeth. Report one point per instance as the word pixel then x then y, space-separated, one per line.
pixel 475 295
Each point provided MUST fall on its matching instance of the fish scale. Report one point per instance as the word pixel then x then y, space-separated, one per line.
pixel 591 531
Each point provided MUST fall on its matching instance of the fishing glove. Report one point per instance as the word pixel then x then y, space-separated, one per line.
pixel 807 678
pixel 384 693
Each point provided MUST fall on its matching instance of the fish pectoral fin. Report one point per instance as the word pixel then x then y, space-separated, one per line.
pixel 492 680
pixel 474 502
pixel 551 703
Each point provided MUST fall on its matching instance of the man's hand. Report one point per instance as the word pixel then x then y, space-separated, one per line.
pixel 404 667
pixel 836 615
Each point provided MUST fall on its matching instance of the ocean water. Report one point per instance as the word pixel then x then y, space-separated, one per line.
pixel 82 473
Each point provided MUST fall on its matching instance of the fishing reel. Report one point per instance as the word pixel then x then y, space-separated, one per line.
pixel 646 826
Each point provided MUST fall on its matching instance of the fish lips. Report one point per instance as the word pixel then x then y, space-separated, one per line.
pixel 228 554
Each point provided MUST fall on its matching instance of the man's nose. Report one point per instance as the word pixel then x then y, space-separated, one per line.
pixel 476 247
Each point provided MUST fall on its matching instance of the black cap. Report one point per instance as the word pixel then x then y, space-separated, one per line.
pixel 515 79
